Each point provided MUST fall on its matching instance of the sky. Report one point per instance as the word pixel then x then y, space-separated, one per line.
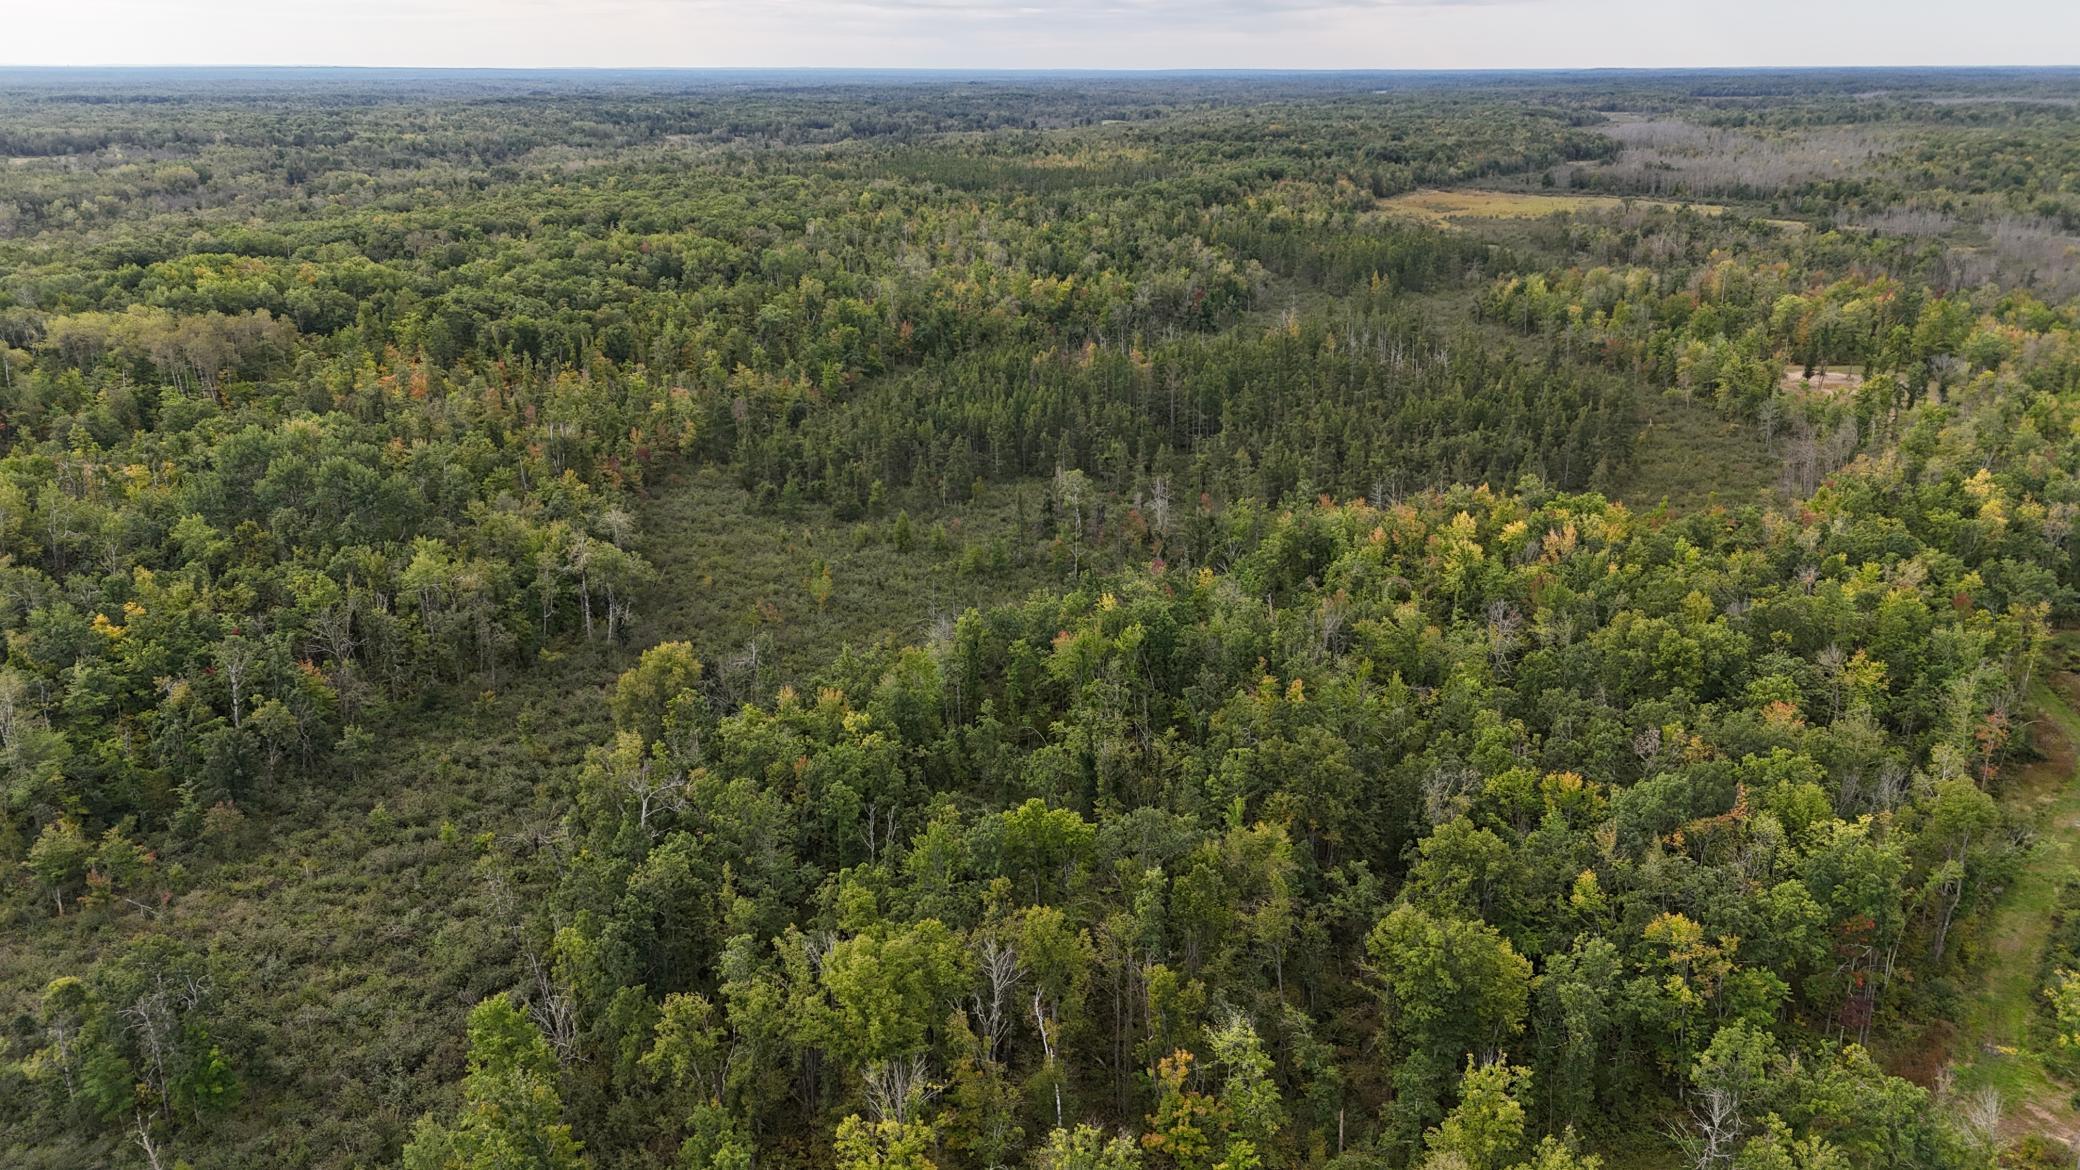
pixel 1026 34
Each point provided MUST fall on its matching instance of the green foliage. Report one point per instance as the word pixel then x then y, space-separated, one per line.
pixel 1448 988
pixel 1086 1148
pixel 1126 655
pixel 884 1145
pixel 888 987
pixel 660 699
pixel 1485 1130
pixel 511 1117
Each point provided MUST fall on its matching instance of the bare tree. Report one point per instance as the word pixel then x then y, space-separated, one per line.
pixel 143 1135
pixel 1445 788
pixel 154 1019
pixel 1647 746
pixel 1044 1018
pixel 649 783
pixel 554 1009
pixel 1505 625
pixel 1001 973
pixel 237 656
pixel 1981 1114
pixel 896 1089
pixel 1717 1112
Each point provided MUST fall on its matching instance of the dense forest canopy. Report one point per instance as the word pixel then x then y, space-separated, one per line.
pixel 853 621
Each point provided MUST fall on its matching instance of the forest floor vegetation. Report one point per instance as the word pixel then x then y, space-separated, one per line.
pixel 1995 1041
pixel 374 917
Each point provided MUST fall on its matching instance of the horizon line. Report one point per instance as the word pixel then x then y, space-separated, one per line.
pixel 1046 69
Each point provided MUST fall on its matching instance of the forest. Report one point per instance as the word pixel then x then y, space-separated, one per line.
pixel 831 621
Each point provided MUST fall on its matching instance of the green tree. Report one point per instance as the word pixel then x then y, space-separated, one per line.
pixel 659 699
pixel 59 859
pixel 884 1145
pixel 1485 1130
pixel 890 985
pixel 1086 1147
pixel 512 1117
pixel 1254 1108
pixel 1449 989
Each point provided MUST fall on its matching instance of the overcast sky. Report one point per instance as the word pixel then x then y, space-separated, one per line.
pixel 1042 33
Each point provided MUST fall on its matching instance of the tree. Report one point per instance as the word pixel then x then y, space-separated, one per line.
pixel 1777 1148
pixel 59 859
pixel 890 985
pixel 1731 1077
pixel 820 585
pixel 626 778
pixel 1449 989
pixel 1255 1111
pixel 1485 1130
pixel 82 1055
pixel 1961 825
pixel 714 1140
pixel 659 700
pixel 1043 845
pixel 1087 1148
pixel 690 1058
pixel 1058 958
pixel 1183 1130
pixel 980 1118
pixel 512 1117
pixel 1559 1153
pixel 884 1145
pixel 2062 993
pixel 1575 1018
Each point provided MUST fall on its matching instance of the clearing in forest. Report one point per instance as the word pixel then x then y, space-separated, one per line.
pixel 1691 456
pixel 386 899
pixel 1827 379
pixel 1443 208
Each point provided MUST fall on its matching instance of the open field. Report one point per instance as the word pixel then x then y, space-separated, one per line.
pixel 1691 456
pixel 1443 208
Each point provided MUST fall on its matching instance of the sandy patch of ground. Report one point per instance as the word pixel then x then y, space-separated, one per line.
pixel 1832 380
